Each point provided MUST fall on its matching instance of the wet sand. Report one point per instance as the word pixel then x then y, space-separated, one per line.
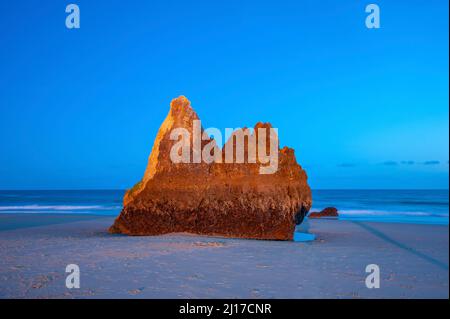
pixel 35 249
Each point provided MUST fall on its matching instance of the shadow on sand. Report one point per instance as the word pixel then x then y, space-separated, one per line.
pixel 392 241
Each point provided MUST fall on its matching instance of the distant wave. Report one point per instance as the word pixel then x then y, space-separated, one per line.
pixel 380 213
pixel 56 207
pixel 424 203
pixel 385 213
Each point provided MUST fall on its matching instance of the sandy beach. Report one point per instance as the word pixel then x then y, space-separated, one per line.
pixel 35 249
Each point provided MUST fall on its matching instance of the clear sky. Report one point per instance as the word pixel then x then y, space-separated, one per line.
pixel 362 108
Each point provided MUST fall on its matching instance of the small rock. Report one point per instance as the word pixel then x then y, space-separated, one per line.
pixel 327 212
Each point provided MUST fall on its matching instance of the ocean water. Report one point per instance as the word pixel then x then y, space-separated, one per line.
pixel 98 202
pixel 403 206
pixel 407 206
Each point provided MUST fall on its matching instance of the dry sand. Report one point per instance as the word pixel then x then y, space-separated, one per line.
pixel 35 249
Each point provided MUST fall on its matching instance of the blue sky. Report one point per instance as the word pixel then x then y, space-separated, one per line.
pixel 362 108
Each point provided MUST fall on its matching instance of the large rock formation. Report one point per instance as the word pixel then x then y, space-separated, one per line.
pixel 223 199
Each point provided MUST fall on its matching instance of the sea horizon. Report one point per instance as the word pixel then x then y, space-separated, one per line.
pixel 416 206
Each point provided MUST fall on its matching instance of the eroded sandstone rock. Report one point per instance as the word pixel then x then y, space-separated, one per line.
pixel 223 199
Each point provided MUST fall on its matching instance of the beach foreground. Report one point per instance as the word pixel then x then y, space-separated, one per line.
pixel 35 250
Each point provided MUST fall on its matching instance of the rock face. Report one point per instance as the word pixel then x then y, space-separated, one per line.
pixel 327 212
pixel 222 199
